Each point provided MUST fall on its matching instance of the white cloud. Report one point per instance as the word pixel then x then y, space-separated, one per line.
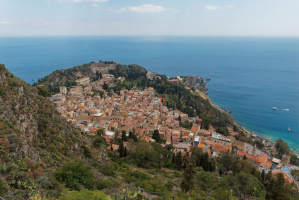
pixel 145 8
pixel 82 0
pixel 5 22
pixel 209 7
pixel 230 6
pixel 95 5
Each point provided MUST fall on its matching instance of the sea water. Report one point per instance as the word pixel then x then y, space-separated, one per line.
pixel 249 75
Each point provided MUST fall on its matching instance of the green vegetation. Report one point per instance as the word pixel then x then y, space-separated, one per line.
pixel 47 157
pixel 83 194
pixel 76 174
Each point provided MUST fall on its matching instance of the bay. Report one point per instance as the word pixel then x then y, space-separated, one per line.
pixel 249 75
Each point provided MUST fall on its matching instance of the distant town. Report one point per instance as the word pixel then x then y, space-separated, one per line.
pixel 90 108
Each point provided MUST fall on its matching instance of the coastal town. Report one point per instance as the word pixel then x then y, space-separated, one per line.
pixel 90 108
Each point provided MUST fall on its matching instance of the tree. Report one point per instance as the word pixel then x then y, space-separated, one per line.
pixel 263 176
pixel 179 160
pixel 179 119
pixel 125 152
pixel 133 136
pixel 226 162
pixel 249 184
pixel 205 180
pixel 196 154
pixel 105 86
pixel 74 174
pixel 121 149
pixel 156 136
pixel 123 136
pixel 147 159
pixel 278 188
pixel 282 147
pixel 188 181
pixel 100 132
pixel 43 91
pixel 242 165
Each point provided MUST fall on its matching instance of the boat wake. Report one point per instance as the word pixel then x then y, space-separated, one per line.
pixel 286 109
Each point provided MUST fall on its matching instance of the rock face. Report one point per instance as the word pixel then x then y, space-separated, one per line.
pixel 197 83
pixel 34 136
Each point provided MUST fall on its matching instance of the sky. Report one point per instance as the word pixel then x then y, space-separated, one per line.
pixel 149 17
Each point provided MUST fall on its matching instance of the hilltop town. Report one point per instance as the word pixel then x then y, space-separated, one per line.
pixel 111 131
pixel 93 107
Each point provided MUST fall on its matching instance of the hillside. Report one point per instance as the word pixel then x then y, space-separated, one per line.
pixel 34 138
pixel 44 157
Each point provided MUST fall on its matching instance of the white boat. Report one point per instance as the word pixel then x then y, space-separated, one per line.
pixel 274 108
pixel 289 129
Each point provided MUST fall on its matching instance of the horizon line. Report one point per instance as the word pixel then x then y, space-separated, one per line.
pixel 150 36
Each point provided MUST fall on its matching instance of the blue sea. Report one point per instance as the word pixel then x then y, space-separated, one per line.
pixel 249 75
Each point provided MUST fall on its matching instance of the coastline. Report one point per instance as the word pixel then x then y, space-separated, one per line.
pixel 251 133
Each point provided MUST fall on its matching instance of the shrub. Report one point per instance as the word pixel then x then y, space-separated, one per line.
pixel 12 147
pixel 75 173
pixel 99 141
pixel 108 170
pixel 44 182
pixel 136 176
pixel 86 152
pixel 12 139
pixel 103 184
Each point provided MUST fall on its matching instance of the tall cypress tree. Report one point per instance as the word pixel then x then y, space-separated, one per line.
pixel 121 150
pixel 125 152
pixel 188 182
pixel 123 136
pixel 179 160
pixel 156 136
pixel 263 176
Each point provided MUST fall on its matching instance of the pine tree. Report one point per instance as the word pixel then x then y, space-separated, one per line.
pixel 188 182
pixel 111 148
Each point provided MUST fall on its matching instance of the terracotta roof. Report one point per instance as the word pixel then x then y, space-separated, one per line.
pixel 246 154
pixel 194 129
pixel 266 164
pixel 200 145
pixel 223 148
pixel 261 158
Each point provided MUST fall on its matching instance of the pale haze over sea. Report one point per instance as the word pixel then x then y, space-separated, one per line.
pixel 249 75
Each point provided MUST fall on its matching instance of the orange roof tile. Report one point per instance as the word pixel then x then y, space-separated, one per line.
pixel 194 129
pixel 246 154
pixel 222 148
pixel 261 158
